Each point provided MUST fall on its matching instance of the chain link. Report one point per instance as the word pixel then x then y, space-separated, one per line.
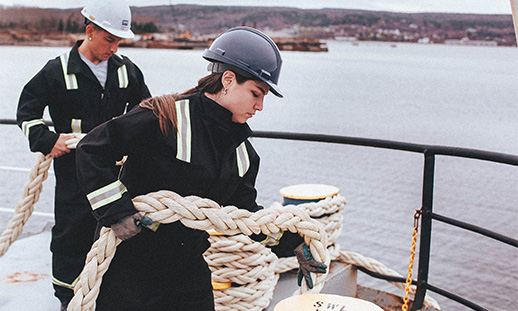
pixel 417 214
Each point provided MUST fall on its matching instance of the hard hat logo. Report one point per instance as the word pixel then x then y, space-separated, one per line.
pixel 125 24
pixel 113 16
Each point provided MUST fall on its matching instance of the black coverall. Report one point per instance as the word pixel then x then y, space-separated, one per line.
pixel 165 270
pixel 77 103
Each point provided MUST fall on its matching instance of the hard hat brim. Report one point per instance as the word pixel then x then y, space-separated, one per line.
pixel 124 34
pixel 219 67
pixel 274 89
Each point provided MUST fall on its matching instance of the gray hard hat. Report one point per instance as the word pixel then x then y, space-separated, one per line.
pixel 248 50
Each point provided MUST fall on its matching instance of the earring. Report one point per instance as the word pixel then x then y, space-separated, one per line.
pixel 90 38
pixel 225 91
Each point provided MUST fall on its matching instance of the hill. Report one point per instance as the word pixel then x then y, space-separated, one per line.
pixel 199 20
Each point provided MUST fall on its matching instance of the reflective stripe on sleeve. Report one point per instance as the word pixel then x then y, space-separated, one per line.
pixel 76 125
pixel 26 126
pixel 64 284
pixel 70 79
pixel 122 73
pixel 183 140
pixel 243 162
pixel 272 239
pixel 106 194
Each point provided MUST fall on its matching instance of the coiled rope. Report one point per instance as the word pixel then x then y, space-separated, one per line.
pixel 248 266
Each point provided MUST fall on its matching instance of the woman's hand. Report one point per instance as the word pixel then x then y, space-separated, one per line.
pixel 307 264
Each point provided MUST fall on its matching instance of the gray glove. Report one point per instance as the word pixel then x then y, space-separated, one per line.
pixel 307 264
pixel 127 227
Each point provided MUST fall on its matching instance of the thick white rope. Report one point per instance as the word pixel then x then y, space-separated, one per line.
pixel 25 207
pixel 202 214
pixel 31 195
pixel 39 173
pixel 373 265
pixel 248 265
pixel 329 213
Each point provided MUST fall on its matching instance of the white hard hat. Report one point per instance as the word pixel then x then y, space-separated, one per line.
pixel 114 16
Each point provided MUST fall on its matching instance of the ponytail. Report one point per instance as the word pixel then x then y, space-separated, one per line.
pixel 164 109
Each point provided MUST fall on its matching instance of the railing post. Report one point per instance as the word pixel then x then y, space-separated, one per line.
pixel 426 230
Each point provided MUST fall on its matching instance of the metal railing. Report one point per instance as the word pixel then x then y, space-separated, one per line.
pixel 429 152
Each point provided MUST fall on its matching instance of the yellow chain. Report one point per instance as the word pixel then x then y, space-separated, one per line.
pixel 404 307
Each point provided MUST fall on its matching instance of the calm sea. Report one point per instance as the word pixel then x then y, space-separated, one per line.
pixel 428 94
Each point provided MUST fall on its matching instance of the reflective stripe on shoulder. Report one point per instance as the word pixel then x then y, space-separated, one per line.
pixel 272 239
pixel 243 161
pixel 26 126
pixel 106 194
pixel 183 140
pixel 76 125
pixel 64 284
pixel 122 73
pixel 70 79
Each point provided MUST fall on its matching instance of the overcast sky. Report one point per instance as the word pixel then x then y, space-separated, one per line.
pixel 407 6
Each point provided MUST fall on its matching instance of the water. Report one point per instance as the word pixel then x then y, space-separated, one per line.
pixel 429 94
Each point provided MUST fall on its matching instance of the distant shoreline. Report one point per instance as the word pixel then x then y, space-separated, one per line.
pixel 57 43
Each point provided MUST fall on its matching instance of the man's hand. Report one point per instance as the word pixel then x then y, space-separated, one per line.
pixel 307 264
pixel 127 227
pixel 76 138
pixel 60 147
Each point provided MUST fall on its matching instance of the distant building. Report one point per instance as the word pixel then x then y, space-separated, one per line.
pixel 345 38
pixel 424 40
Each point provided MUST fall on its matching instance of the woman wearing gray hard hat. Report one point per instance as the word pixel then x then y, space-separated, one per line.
pixel 194 143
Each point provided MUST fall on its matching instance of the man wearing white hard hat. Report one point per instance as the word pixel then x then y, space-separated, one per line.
pixel 82 88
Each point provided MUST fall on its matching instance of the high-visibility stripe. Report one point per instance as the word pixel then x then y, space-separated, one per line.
pixel 106 194
pixel 64 284
pixel 70 79
pixel 183 140
pixel 272 239
pixel 76 125
pixel 26 126
pixel 122 73
pixel 243 162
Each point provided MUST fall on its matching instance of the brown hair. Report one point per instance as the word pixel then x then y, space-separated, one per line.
pixel 164 108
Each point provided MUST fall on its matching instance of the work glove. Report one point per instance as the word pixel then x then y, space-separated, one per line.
pixel 307 265
pixel 129 226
